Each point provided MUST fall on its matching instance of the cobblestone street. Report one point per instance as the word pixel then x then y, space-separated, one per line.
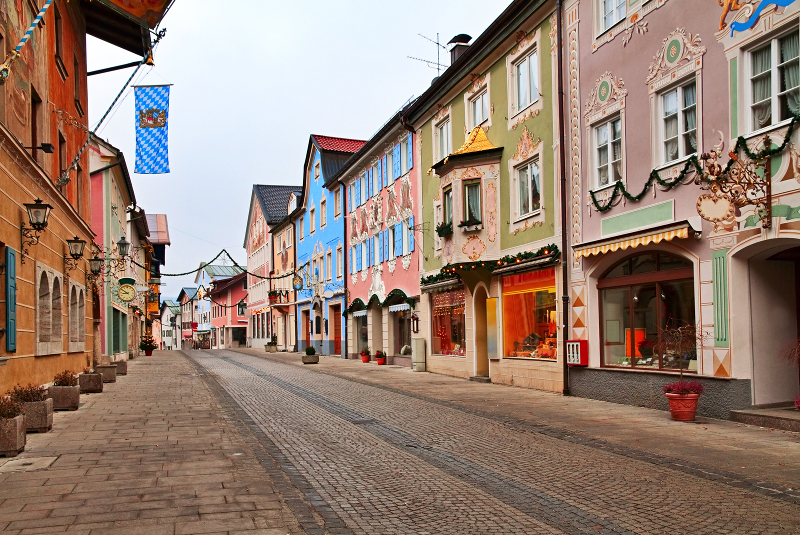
pixel 242 442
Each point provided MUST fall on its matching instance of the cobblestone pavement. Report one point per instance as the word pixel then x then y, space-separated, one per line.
pixel 156 453
pixel 372 458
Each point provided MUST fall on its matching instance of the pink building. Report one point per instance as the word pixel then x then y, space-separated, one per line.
pixel 228 318
pixel 383 206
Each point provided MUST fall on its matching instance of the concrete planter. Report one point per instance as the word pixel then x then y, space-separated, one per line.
pixel 90 383
pixel 122 367
pixel 310 359
pixel 38 416
pixel 108 371
pixel 270 349
pixel 65 398
pixel 12 435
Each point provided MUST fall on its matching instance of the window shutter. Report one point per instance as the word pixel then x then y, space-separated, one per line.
pixel 349 199
pixel 410 151
pixel 368 189
pixel 385 161
pixel 411 233
pixel 358 192
pixel 380 175
pixel 398 239
pixel 351 260
pixel 11 299
pixel 385 245
pixel 369 251
pixel 358 257
pixel 396 162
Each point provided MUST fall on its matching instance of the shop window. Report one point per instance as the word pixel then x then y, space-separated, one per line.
pixel 529 312
pixel 402 335
pixel 362 336
pixel 644 298
pixel 449 323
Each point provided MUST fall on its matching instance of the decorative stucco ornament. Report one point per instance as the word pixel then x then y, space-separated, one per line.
pixel 406 261
pixel 392 264
pixel 473 248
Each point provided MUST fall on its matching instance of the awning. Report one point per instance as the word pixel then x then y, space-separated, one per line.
pixel 633 240
pixel 359 313
pixel 398 308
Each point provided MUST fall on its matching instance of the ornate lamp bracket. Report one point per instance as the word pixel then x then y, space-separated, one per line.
pixel 28 238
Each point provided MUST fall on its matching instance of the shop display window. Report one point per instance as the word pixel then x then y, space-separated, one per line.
pixel 644 299
pixel 362 336
pixel 449 323
pixel 530 323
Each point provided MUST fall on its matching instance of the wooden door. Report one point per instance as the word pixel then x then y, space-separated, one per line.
pixel 306 328
pixel 337 329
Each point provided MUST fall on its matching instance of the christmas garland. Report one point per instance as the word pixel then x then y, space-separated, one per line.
pixel 448 272
pixel 358 303
pixel 693 163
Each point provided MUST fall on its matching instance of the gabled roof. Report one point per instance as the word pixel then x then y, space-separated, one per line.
pixel 159 230
pixel 333 153
pixel 275 200
pixel 227 283
pixel 189 291
pixel 174 307
pixel 139 218
pixel 337 144
pixel 217 271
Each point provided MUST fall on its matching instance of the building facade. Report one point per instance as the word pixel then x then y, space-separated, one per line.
pixel 170 325
pixel 320 227
pixel 487 135
pixel 188 299
pixel 383 208
pixel 282 296
pixel 228 318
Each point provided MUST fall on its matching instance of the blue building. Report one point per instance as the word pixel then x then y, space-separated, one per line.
pixel 321 246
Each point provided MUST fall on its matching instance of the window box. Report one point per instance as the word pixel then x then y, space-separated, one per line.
pixel 444 229
pixel 470 226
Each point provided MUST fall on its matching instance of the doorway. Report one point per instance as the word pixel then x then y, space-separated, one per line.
pixel 481 347
pixel 336 312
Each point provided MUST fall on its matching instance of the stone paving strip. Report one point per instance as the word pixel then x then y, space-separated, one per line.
pixel 758 456
pixel 387 462
pixel 155 453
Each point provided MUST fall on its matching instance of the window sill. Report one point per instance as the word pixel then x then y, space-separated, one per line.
pixel 471 228
pixel 602 189
pixel 767 130
pixel 649 370
pixel 673 163
pixel 528 216
pixel 537 359
pixel 524 110
pixel 443 355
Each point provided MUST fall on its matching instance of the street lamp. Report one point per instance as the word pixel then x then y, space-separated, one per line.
pixel 241 307
pixel 38 212
pixel 123 246
pixel 95 265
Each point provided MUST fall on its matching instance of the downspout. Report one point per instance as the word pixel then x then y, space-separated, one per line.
pixel 345 250
pixel 563 169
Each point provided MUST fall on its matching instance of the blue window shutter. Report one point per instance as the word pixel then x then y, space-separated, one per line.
pixel 380 175
pixel 385 161
pixel 358 193
pixel 410 146
pixel 380 247
pixel 349 199
pixel 358 257
pixel 367 193
pixel 351 260
pixel 398 239
pixel 11 299
pixel 411 233
pixel 396 162
pixel 371 182
pixel 369 251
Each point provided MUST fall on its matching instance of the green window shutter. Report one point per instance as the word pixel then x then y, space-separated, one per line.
pixel 11 299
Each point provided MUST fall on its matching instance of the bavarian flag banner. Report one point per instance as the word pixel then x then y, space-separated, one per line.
pixel 152 133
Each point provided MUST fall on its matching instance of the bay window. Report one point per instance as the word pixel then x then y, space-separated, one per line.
pixel 448 206
pixel 472 202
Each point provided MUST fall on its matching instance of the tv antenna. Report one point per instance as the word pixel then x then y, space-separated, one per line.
pixel 433 65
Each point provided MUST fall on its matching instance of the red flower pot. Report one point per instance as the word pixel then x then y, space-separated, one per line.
pixel 683 406
pixel 364 358
pixel 148 352
pixel 380 360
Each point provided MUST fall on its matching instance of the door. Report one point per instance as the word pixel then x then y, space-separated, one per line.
pixel 336 311
pixel 306 328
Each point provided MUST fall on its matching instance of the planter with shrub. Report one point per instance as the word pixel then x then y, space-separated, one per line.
pixel 365 355
pixel 147 344
pixel 682 397
pixel 272 347
pixel 65 392
pixel 12 427
pixel 380 357
pixel 311 356
pixel 90 382
pixel 36 406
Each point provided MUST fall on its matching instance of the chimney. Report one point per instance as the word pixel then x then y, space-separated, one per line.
pixel 460 45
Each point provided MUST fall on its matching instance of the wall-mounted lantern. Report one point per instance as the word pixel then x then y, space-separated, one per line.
pixel 123 247
pixel 415 323
pixel 38 213
pixel 75 246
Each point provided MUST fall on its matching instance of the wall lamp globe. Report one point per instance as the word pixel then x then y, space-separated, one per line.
pixel 76 247
pixel 38 212
pixel 95 265
pixel 123 246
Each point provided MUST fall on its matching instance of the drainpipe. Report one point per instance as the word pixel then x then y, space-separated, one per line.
pixel 345 250
pixel 564 229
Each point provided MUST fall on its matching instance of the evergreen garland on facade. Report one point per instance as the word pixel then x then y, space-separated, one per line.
pixel 448 272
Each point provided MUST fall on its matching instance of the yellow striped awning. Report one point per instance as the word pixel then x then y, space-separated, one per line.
pixel 631 241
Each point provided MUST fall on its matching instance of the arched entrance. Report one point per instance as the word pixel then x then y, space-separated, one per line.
pixel 765 281
pixel 479 298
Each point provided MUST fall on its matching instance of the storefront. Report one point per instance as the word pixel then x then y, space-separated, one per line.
pixel 529 315
pixel 361 330
pixel 449 323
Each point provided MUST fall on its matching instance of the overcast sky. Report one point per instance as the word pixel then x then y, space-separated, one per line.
pixel 251 83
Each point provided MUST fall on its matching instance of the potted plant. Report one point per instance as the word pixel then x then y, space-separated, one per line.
pixel 147 344
pixel 65 392
pixel 680 344
pixel 274 297
pixel 90 382
pixel 36 406
pixel 272 347
pixel 365 355
pixel 380 357
pixel 12 427
pixel 311 356
pixel 444 229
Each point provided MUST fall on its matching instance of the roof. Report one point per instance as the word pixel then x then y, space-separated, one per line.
pixel 227 283
pixel 337 144
pixel 188 291
pixel 139 218
pixel 274 200
pixel 174 307
pixel 159 230
pixel 120 162
pixel 217 271
pixel 477 144
pixel 115 25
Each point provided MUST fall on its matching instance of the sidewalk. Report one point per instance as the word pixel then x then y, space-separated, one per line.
pixel 754 453
pixel 155 453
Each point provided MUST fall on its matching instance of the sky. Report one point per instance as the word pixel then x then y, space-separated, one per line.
pixel 250 84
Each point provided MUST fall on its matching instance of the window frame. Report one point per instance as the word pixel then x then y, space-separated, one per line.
pixel 515 77
pixel 662 140
pixel 337 202
pixel 595 148
pixel 447 204
pixel 773 42
pixel 323 213
pixel 601 13
pixel 313 228
pixel 317 170
pixel 339 262
pixel 444 125
pixel 465 185
pixel 483 96
pixel 535 161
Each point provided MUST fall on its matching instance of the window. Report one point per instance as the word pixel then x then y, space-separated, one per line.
pixel 527 81
pixel 76 75
pixel 362 335
pixel 62 154
pixel 529 190
pixel 613 12
pixel 316 171
pixel 443 140
pixel 448 206
pixel 449 324
pixel 339 263
pixel 337 202
pixel 775 92
pixel 36 108
pixel 311 220
pixel 479 109
pixel 530 326
pixel 608 140
pixel 323 213
pixel 79 187
pixel 472 202
pixel 288 237
pixel 59 29
pixel 330 266
pixel 641 299
pixel 679 117
pixel 301 227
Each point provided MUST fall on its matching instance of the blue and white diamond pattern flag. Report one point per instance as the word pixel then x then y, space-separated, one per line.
pixel 152 129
